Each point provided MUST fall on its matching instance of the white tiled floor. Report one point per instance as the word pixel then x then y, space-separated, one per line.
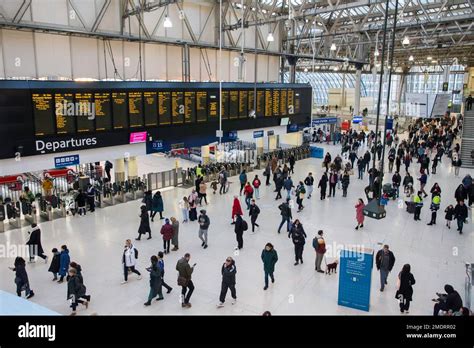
pixel 436 254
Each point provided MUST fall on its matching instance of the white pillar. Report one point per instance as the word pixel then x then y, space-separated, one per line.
pixel 358 78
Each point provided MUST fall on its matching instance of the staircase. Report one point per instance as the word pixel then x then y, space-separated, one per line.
pixel 467 142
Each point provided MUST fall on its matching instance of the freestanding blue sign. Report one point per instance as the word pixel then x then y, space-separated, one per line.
pixel 258 134
pixel 355 277
pixel 325 120
pixel 64 161
pixel 356 119
pixel 389 123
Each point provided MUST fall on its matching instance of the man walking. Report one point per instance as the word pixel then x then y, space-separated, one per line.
pixel 253 213
pixel 285 212
pixel 228 272
pixel 309 182
pixel 184 280
pixel 204 223
pixel 460 213
pixel 384 261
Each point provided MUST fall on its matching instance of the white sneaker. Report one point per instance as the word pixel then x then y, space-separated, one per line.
pixel 234 301
pixel 124 282
pixel 139 277
pixel 220 305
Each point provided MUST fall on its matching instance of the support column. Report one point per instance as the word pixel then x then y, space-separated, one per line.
pixel 132 168
pixel 205 154
pixel 343 95
pixel 259 145
pixel 358 79
pixel 186 64
pixel 119 170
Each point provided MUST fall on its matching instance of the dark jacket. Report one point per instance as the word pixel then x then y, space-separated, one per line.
pixel 64 261
pixel 379 259
pixel 309 181
pixel 81 200
pixel 204 221
pixel 345 181
pixel 35 240
pixel 285 210
pixel 269 259
pixel 184 269
pixel 144 223
pixel 155 278
pixel 453 301
pixel 297 234
pixel 228 273
pixel 239 225
pixel 254 211
pixel 167 231
pixel 406 282
pixel 54 267
pixel 460 212
pixel 21 276
pixel 75 288
pixel 157 203
pixel 323 181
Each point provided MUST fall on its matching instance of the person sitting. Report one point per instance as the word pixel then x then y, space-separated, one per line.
pixel 449 302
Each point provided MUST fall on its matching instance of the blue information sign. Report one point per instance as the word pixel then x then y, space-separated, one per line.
pixel 232 135
pixel 258 134
pixel 357 119
pixel 355 276
pixel 291 128
pixel 389 123
pixel 64 161
pixel 157 145
pixel 324 120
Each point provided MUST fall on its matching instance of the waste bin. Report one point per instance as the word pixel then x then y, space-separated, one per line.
pixel 316 152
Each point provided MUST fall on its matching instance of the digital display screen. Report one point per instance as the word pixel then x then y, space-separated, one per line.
pixel 276 102
pixel 177 107
pixel 201 106
pixel 233 104
pixel 64 111
pixel 283 102
pixel 297 103
pixel 164 108
pixel 135 109
pixel 151 108
pixel 268 103
pixel 84 113
pixel 120 110
pixel 243 103
pixel 43 113
pixel 251 98
pixel 189 107
pixel 103 112
pixel 291 102
pixel 261 106
pixel 213 102
pixel 225 105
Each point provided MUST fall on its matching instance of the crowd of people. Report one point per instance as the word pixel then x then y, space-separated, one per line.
pixel 426 144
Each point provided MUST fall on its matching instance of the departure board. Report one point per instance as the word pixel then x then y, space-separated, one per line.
pixel 261 105
pixel 251 99
pixel 225 104
pixel 233 104
pixel 150 108
pixel 268 102
pixel 120 110
pixel 283 102
pixel 297 102
pixel 177 107
pixel 189 107
pixel 43 113
pixel 135 109
pixel 103 112
pixel 276 102
pixel 212 105
pixel 65 109
pixel 164 108
pixel 201 106
pixel 85 112
pixel 291 102
pixel 243 103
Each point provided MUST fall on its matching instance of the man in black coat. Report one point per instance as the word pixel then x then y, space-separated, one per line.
pixel 228 281
pixel 253 213
pixel 239 231
pixel 460 213
pixel 34 244
pixel 286 216
pixel 323 182
pixel 384 260
pixel 451 301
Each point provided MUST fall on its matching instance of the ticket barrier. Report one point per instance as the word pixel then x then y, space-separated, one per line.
pixel 9 216
pixel 45 210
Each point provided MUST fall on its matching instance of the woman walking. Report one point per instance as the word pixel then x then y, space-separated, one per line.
pixel 236 209
pixel 144 224
pixel 202 192
pixel 157 205
pixel 167 232
pixel 129 260
pixel 155 281
pixel 183 205
pixel 174 239
pixel 360 213
pixel 54 266
pixel 269 258
pixel 192 201
pixel 298 236
pixel 21 278
pixel 34 244
pixel 405 290
pixel 148 201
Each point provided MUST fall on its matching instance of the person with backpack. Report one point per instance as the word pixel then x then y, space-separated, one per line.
pixel 243 180
pixel 309 182
pixel 129 260
pixel 155 281
pixel 54 266
pixel 228 272
pixel 300 194
pixel 236 209
pixel 248 192
pixel 21 278
pixel 253 213
pixel 298 235
pixel 239 228
pixel 323 185
pixel 319 246
pixel 204 223
pixel 269 258
pixel 256 186
pixel 286 216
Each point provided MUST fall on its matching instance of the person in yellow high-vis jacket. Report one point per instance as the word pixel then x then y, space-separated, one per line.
pixel 435 203
pixel 418 205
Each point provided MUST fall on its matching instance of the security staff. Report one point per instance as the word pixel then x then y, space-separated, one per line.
pixel 418 205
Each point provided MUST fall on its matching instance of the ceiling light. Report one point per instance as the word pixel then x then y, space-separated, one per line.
pixel 434 61
pixel 411 59
pixel 167 23
pixel 270 37
pixel 429 58
pixel 333 47
pixel 336 68
pixel 376 53
pixel 406 41
pixel 305 69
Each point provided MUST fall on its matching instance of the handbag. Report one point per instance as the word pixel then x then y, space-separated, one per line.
pixel 182 281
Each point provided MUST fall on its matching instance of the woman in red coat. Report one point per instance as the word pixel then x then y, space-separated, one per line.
pixel 167 232
pixel 360 213
pixel 236 209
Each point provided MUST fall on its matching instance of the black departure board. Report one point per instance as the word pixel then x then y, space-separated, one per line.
pixel 225 105
pixel 243 103
pixel 261 105
pixel 85 112
pixel 164 108
pixel 213 101
pixel 120 110
pixel 276 102
pixel 201 106
pixel 151 108
pixel 233 104
pixel 283 102
pixel 103 112
pixel 291 102
pixel 65 113
pixel 251 100
pixel 135 109
pixel 189 107
pixel 297 102
pixel 268 103
pixel 177 107
pixel 43 113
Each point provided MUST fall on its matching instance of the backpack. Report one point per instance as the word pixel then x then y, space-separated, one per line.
pixel 245 225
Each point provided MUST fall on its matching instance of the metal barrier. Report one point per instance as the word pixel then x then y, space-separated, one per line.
pixel 168 178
